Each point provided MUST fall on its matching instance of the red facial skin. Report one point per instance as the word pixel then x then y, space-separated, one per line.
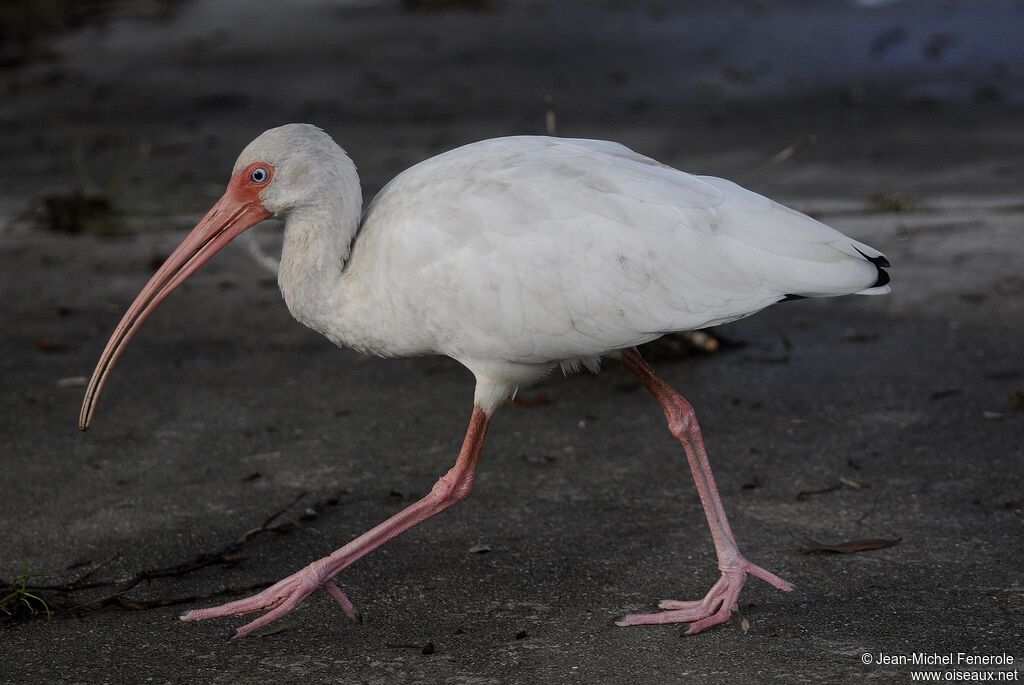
pixel 238 209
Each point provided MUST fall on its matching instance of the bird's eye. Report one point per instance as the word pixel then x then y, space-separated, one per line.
pixel 259 175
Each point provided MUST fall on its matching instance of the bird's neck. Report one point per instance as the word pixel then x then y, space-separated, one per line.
pixel 317 244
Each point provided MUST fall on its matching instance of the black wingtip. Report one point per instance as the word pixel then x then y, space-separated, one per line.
pixel 880 262
pixel 787 298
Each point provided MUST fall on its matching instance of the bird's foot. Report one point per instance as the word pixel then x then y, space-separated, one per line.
pixel 714 608
pixel 278 599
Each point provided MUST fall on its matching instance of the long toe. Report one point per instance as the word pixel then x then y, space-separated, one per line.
pixel 705 604
pixel 720 616
pixel 769 577
pixel 689 615
pixel 266 619
pixel 240 607
pixel 277 600
pixel 714 608
pixel 680 604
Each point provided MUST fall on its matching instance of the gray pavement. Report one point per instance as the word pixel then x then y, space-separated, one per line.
pixel 225 411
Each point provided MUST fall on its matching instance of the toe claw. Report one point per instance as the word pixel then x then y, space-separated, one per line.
pixel 342 599
pixel 769 577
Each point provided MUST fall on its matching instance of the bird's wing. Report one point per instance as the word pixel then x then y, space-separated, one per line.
pixel 538 249
pixel 800 255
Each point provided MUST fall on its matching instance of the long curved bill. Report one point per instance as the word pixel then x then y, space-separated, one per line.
pixel 223 223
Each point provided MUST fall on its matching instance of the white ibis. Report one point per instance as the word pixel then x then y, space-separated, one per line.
pixel 512 256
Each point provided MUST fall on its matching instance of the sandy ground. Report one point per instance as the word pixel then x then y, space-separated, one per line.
pixel 225 411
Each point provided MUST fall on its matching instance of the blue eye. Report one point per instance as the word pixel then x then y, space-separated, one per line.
pixel 259 175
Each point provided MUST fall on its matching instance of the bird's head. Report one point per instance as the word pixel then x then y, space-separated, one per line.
pixel 282 170
pixel 290 167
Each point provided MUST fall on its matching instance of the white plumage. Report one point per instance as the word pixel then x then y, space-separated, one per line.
pixel 513 256
pixel 516 254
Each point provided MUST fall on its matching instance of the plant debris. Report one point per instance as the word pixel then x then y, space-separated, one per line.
pixel 850 547
pixel 687 344
pixel 744 622
pixel 850 483
pixel 843 482
pixel 20 598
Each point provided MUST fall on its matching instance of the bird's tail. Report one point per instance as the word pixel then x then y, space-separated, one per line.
pixel 881 285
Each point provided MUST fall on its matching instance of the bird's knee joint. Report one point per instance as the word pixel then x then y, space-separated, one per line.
pixel 681 428
pixel 461 491
pixel 450 489
pixel 683 424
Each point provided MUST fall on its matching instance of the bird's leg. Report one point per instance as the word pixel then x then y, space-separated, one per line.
pixel 281 598
pixel 716 606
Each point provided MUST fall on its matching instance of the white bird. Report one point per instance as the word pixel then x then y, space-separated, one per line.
pixel 512 256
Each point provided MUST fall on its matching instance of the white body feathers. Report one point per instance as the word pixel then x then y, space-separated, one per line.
pixel 513 255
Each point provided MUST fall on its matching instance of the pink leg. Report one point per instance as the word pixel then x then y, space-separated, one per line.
pixel 716 606
pixel 281 598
